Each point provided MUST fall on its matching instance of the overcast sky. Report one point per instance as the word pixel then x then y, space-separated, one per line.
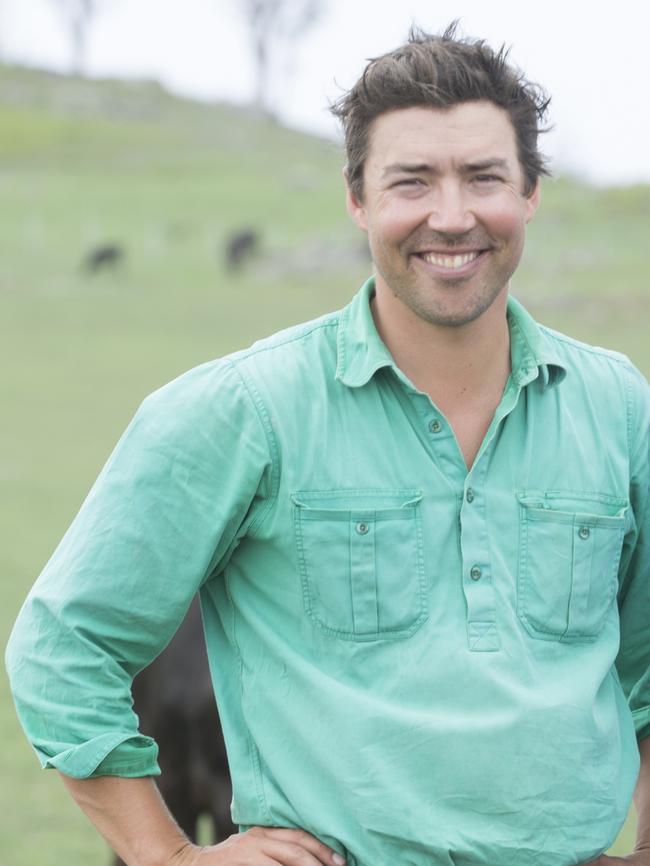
pixel 592 57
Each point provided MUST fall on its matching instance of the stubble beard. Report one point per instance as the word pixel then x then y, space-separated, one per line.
pixel 411 290
pixel 426 297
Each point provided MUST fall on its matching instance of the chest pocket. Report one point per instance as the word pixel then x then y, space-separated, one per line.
pixel 569 551
pixel 361 564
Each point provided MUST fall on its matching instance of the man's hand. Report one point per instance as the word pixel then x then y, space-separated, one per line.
pixel 637 858
pixel 133 819
pixel 261 846
pixel 641 854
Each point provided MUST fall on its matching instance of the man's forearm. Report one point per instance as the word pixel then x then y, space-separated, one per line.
pixel 642 798
pixel 132 817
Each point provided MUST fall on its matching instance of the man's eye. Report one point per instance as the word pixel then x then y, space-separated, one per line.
pixel 487 178
pixel 408 181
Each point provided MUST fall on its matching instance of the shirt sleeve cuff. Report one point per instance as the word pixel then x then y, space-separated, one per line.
pixel 114 754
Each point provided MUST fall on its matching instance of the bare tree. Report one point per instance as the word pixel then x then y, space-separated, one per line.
pixel 3 24
pixel 275 25
pixel 78 16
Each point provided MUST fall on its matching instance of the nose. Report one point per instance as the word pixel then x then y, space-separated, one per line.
pixel 450 210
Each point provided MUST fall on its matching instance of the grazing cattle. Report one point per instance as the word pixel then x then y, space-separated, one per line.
pixel 240 247
pixel 175 702
pixel 104 257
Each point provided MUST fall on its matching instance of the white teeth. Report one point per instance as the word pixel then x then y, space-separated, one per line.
pixel 451 262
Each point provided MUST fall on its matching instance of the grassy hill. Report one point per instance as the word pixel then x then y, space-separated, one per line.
pixel 85 163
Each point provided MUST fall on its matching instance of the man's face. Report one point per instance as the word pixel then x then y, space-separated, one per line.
pixel 444 209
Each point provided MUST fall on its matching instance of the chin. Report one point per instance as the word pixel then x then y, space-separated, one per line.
pixel 454 317
pixel 452 320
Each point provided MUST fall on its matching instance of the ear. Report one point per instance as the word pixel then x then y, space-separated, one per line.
pixel 532 201
pixel 354 206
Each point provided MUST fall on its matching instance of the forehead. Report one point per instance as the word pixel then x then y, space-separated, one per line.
pixel 467 132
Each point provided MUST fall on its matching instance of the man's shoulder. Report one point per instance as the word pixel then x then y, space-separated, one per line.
pixel 275 360
pixel 578 352
pixel 305 337
pixel 596 367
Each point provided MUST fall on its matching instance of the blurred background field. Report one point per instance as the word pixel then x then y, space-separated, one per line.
pixel 88 163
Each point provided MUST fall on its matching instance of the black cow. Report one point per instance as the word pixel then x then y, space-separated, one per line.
pixel 240 247
pixel 174 699
pixel 103 257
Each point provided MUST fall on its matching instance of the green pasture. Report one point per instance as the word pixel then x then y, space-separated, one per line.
pixel 86 163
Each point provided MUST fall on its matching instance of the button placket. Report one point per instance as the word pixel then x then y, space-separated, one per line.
pixel 445 447
pixel 480 596
pixel 432 430
pixel 478 585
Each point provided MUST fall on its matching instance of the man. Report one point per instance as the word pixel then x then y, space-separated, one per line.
pixel 420 531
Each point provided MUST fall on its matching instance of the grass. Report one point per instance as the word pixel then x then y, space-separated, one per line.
pixel 85 162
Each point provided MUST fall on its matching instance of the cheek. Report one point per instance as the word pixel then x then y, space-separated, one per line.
pixel 395 222
pixel 505 222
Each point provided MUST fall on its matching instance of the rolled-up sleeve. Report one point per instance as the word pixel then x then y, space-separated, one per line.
pixel 191 475
pixel 633 662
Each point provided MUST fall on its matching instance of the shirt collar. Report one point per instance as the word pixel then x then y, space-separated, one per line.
pixel 361 352
pixel 360 349
pixel 533 352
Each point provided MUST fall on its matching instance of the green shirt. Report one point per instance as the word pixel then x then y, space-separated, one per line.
pixel 416 663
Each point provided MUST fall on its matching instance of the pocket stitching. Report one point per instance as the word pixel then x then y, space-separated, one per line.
pixel 412 513
pixel 538 631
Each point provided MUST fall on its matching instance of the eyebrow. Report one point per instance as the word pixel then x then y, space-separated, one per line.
pixel 425 167
pixel 485 164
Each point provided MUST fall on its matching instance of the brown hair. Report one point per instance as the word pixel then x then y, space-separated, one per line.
pixel 442 71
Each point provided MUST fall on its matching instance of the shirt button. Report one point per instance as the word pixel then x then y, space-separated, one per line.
pixel 363 528
pixel 583 532
pixel 469 496
pixel 435 426
pixel 475 573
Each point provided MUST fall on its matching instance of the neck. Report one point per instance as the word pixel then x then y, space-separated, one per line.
pixel 451 364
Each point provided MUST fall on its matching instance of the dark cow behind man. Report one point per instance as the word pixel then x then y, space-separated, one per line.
pixel 174 699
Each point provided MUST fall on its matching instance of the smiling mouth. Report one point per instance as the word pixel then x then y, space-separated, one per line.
pixel 450 262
